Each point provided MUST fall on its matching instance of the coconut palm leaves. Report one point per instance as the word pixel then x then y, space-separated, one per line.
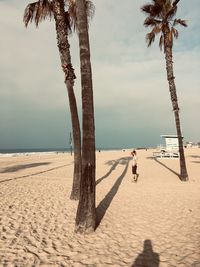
pixel 89 7
pixel 43 9
pixel 160 18
pixel 38 11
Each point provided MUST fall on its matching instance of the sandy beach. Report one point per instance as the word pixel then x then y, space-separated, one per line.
pixel 154 222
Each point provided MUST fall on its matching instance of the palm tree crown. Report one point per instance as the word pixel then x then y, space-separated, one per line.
pixel 43 9
pixel 90 9
pixel 160 16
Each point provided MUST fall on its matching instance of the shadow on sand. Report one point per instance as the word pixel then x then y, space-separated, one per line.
pixel 105 203
pixel 164 165
pixel 148 258
pixel 33 174
pixel 113 164
pixel 195 156
pixel 23 166
pixel 161 163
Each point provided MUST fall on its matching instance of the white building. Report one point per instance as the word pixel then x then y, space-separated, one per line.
pixel 171 142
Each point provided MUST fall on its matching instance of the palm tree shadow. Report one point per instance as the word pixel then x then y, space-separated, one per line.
pixel 195 156
pixel 105 203
pixel 113 164
pixel 148 258
pixel 33 174
pixel 161 163
pixel 23 166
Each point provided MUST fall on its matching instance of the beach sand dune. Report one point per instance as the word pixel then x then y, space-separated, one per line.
pixel 154 222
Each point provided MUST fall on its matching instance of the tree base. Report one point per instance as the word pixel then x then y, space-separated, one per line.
pixel 74 197
pixel 184 178
pixel 83 229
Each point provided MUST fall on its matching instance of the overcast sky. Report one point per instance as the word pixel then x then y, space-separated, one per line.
pixel 131 95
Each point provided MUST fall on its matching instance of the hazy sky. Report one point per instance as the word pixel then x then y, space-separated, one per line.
pixel 131 95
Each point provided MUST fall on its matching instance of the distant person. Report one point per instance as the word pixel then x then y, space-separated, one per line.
pixel 134 166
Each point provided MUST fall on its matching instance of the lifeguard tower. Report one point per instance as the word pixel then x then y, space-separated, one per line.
pixel 171 149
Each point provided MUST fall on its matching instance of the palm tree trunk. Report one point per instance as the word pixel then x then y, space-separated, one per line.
pixel 75 193
pixel 172 89
pixel 86 212
pixel 65 57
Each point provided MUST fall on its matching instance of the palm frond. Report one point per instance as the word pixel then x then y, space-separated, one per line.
pixel 161 42
pixel 167 4
pixel 152 10
pixel 71 4
pixel 175 2
pixel 68 23
pixel 150 37
pixel 28 14
pixel 175 32
pixel 157 29
pixel 38 11
pixel 157 8
pixel 90 9
pixel 171 13
pixel 181 22
pixel 147 9
pixel 149 21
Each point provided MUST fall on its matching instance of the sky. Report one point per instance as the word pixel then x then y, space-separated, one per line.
pixel 131 96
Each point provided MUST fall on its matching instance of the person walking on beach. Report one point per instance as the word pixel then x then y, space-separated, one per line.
pixel 134 166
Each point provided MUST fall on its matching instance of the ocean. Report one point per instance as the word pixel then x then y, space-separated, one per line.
pixel 43 150
pixel 33 150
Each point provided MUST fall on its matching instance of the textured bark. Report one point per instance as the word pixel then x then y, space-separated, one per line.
pixel 86 213
pixel 172 89
pixel 75 193
pixel 65 57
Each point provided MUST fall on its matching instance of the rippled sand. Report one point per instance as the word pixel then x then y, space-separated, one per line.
pixel 154 222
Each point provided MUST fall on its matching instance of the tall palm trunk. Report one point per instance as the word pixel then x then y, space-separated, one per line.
pixel 86 213
pixel 63 46
pixel 172 89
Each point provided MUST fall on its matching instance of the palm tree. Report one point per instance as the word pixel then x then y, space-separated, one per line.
pixel 160 16
pixel 37 12
pixel 86 212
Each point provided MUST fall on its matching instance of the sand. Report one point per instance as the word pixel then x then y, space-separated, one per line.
pixel 154 222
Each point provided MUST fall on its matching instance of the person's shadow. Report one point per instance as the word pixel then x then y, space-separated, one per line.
pixel 148 258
